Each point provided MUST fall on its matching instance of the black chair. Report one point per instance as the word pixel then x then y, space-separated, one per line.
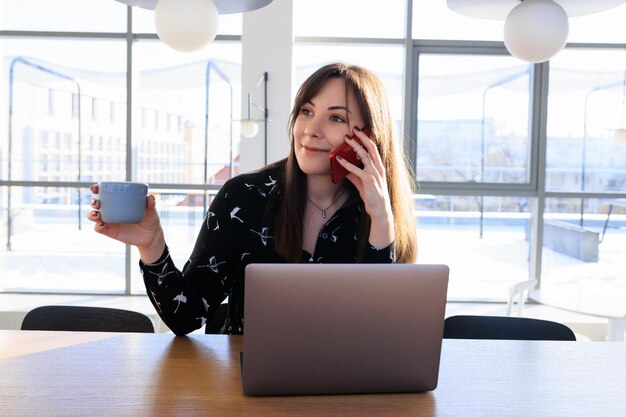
pixel 506 328
pixel 86 319
pixel 219 318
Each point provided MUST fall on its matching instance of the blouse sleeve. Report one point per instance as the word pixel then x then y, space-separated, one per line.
pixel 386 255
pixel 186 299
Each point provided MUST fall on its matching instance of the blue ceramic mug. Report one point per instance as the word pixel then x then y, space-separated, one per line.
pixel 122 202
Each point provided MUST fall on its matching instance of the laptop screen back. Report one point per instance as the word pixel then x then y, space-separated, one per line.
pixel 342 328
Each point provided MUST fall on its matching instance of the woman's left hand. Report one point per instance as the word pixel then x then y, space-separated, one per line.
pixel 371 182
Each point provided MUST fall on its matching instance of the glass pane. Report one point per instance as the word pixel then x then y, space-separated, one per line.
pixel 576 251
pixel 433 20
pixel 472 121
pixel 584 261
pixel 349 18
pixel 481 239
pixel 46 15
pixel 181 214
pixel 387 62
pixel 586 110
pixel 187 105
pixel 62 111
pixel 143 22
pixel 48 245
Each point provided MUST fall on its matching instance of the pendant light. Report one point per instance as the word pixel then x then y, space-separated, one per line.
pixel 188 25
pixel 534 30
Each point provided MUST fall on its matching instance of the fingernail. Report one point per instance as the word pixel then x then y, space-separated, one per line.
pixel 152 197
pixel 93 201
pixel 101 224
pixel 94 212
pixel 339 157
pixel 349 137
pixel 357 128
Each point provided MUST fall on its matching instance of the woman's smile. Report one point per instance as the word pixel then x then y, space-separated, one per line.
pixel 314 149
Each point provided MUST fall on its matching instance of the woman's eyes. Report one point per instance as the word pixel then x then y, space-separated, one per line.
pixel 333 117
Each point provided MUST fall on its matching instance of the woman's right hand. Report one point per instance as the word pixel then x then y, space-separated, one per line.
pixel 147 235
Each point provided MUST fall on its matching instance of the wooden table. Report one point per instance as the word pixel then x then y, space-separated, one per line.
pixel 100 374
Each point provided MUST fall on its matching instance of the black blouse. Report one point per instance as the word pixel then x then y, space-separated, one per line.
pixel 234 235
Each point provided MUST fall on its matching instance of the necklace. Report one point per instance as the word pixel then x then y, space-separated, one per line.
pixel 323 211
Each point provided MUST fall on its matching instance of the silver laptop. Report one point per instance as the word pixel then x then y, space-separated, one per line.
pixel 342 328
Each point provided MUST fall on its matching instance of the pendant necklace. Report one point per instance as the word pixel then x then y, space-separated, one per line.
pixel 323 211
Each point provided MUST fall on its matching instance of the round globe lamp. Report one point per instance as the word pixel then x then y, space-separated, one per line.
pixel 249 128
pixel 536 30
pixel 186 25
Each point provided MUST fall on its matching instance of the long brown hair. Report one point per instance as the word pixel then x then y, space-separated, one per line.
pixel 288 211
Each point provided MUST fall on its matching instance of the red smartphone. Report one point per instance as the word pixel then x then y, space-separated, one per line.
pixel 338 172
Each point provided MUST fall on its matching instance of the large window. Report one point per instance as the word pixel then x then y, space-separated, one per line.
pixel 187 104
pixel 67 124
pixel 472 119
pixel 482 239
pixel 473 139
pixel 509 157
pixel 494 140
pixel 585 176
pixel 586 111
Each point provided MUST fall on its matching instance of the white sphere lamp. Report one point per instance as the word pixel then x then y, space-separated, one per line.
pixel 186 25
pixel 249 128
pixel 536 30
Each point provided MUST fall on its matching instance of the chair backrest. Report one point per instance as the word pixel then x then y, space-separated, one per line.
pixel 507 328
pixel 86 319
pixel 217 322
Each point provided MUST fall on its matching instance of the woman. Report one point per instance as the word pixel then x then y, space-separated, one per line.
pixel 289 211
